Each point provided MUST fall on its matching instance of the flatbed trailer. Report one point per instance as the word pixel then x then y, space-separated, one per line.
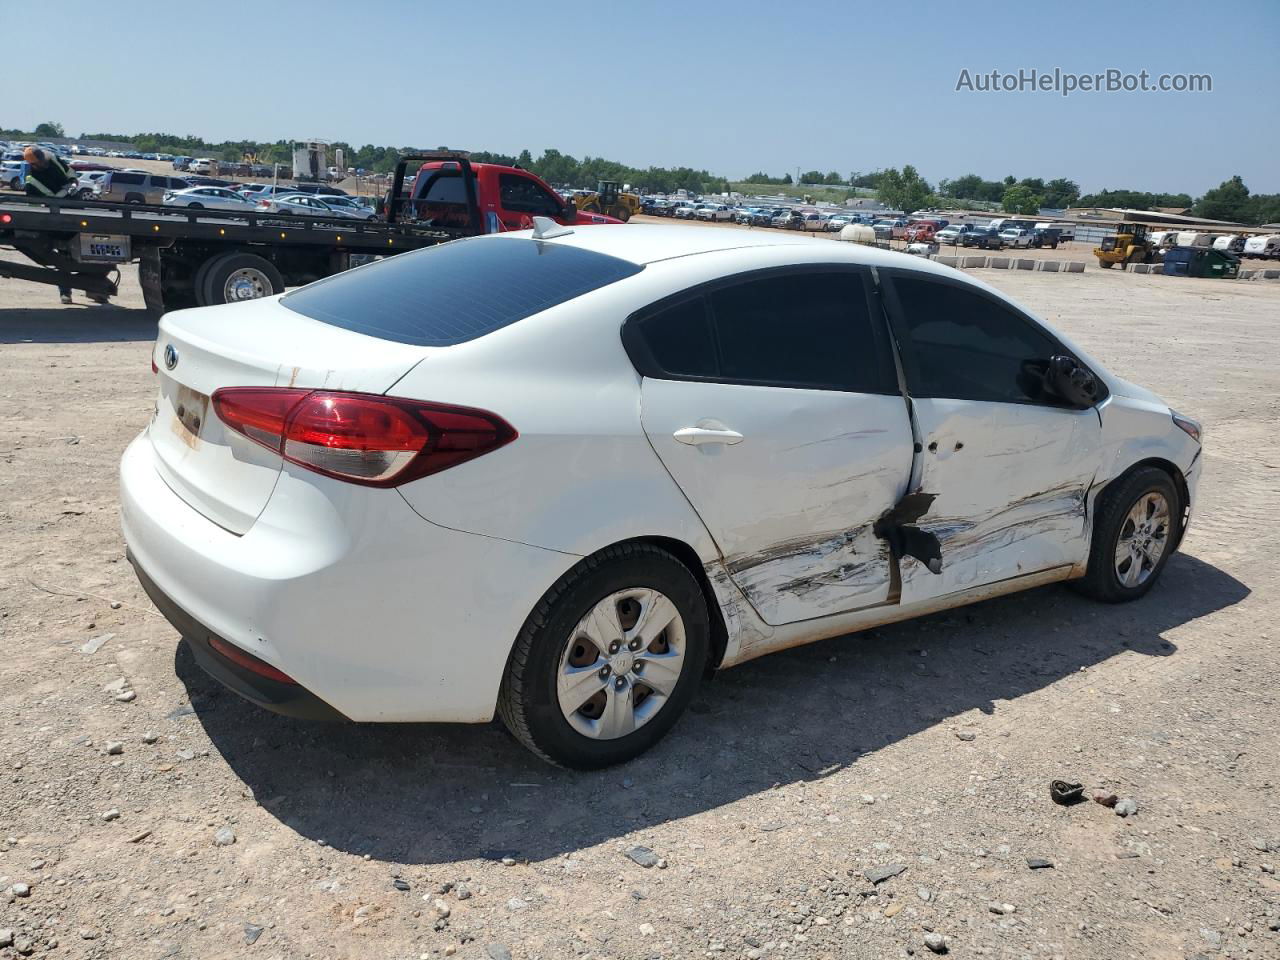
pixel 200 257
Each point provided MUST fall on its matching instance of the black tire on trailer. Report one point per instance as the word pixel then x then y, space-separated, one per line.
pixel 562 649
pixel 245 272
pixel 202 274
pixel 1137 524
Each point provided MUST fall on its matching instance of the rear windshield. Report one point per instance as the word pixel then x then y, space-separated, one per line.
pixel 457 291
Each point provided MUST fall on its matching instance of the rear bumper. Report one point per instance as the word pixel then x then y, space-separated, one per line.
pixel 292 700
pixel 376 612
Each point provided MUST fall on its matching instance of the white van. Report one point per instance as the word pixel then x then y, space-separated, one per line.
pixel 1229 243
pixel 1264 247
pixel 1189 238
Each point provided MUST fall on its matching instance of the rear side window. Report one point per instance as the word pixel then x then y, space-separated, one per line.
pixel 457 291
pixel 804 329
pixel 966 346
pixel 127 178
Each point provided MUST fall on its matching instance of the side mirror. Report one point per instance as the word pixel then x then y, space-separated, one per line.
pixel 1068 380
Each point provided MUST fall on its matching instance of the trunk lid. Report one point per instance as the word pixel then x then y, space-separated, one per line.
pixel 220 473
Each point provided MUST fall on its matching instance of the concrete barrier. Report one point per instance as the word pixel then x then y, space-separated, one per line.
pixel 1050 266
pixel 970 262
pixel 1271 274
pixel 998 263
pixel 1024 264
pixel 1142 268
pixel 948 261
pixel 1074 266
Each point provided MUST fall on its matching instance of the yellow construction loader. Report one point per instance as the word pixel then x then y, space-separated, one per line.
pixel 609 199
pixel 1131 244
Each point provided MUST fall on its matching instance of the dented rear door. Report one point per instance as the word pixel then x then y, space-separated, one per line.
pixel 772 403
pixel 1009 469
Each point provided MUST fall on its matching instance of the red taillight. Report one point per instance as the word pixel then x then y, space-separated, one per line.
pixel 249 662
pixel 6 218
pixel 154 368
pixel 359 437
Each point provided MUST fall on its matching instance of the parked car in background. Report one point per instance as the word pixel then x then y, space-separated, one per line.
pixel 319 188
pixel 13 173
pixel 982 239
pixel 128 186
pixel 782 218
pixel 347 205
pixel 685 211
pixel 1016 237
pixel 213 198
pixel 923 231
pixel 1066 230
pixel 766 216
pixel 205 165
pixel 86 183
pixel 713 212
pixel 1046 237
pixel 743 215
pixel 302 205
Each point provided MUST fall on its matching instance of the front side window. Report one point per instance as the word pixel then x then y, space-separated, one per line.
pixel 967 346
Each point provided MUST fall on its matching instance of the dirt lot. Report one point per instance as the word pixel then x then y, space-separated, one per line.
pixel 790 777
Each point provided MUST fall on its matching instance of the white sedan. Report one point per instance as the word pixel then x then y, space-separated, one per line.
pixel 212 198
pixel 558 476
pixel 303 205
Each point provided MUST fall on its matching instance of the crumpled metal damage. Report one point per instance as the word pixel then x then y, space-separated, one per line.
pixel 800 578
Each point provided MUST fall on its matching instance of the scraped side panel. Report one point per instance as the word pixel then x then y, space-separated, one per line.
pixel 1012 484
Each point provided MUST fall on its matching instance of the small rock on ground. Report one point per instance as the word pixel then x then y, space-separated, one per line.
pixel 643 856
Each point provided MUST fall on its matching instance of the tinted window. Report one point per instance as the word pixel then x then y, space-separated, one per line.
pixel 522 195
pixel 679 340
pixel 457 291
pixel 444 189
pixel 798 329
pixel 969 347
pixel 126 178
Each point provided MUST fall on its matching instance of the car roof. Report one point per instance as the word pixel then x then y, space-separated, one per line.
pixel 643 243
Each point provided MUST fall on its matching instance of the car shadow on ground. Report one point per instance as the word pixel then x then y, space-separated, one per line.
pixel 423 794
pixel 78 322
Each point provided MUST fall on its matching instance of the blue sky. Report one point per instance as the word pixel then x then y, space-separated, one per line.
pixel 730 86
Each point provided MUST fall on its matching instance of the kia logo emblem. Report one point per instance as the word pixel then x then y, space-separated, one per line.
pixel 170 357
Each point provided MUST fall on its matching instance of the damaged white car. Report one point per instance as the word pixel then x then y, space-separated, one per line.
pixel 560 476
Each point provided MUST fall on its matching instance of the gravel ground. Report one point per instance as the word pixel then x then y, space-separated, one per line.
pixel 869 797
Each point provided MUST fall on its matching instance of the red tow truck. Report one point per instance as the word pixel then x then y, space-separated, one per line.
pixel 199 257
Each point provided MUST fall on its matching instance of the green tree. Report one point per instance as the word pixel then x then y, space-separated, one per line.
pixel 1264 208
pixel 1020 199
pixel 49 129
pixel 812 176
pixel 1061 193
pixel 833 178
pixel 903 189
pixel 1227 201
pixel 786 179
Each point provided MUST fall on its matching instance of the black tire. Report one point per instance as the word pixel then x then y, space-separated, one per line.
pixel 1105 264
pixel 218 270
pixel 195 206
pixel 134 198
pixel 1102 581
pixel 528 703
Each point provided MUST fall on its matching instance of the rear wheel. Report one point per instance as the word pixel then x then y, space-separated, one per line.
pixel 234 277
pixel 195 206
pixel 1137 525
pixel 608 660
pixel 1105 264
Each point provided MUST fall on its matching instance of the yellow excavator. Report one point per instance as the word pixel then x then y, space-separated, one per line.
pixel 610 200
pixel 1131 244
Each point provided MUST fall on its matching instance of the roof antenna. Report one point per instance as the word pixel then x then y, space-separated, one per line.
pixel 544 228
